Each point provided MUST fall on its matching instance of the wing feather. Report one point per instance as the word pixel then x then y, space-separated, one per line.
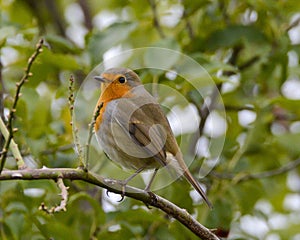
pixel 149 132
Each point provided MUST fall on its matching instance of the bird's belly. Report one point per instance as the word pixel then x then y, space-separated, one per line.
pixel 121 148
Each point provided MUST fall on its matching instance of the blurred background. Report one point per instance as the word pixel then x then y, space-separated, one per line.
pixel 250 49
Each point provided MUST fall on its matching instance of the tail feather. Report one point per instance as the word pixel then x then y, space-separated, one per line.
pixel 177 163
pixel 197 186
pixel 183 169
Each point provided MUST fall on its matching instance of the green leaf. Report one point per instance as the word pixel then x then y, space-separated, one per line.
pixel 100 42
pixel 289 141
pixel 221 215
pixel 247 194
pixel 192 6
pixel 164 58
pixel 47 66
pixel 6 32
pixel 75 199
pixel 233 35
pixel 58 60
pixel 61 45
pixel 178 231
pixel 288 104
pixel 6 232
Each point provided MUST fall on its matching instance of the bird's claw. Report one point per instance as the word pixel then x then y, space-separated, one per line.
pixel 122 190
pixel 152 197
pixel 107 193
pixel 123 184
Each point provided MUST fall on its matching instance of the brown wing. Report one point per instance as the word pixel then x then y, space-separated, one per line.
pixel 149 128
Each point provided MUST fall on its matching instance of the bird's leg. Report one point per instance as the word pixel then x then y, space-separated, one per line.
pixel 124 182
pixel 147 189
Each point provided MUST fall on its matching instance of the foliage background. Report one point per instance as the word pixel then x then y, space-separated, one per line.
pixel 250 48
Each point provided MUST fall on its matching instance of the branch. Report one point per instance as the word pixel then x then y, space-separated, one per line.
pixel 64 199
pixel 249 63
pixel 155 18
pixel 55 150
pixel 111 185
pixel 91 132
pixel 71 101
pixel 236 50
pixel 56 16
pixel 13 146
pixel 241 177
pixel 204 112
pixel 19 85
pixel 188 24
pixel 86 13
pixel 293 24
pixel 2 91
pixel 238 108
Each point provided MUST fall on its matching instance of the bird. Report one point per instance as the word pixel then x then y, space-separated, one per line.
pixel 133 130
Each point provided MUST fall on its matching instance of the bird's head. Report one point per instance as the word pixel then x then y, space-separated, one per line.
pixel 117 82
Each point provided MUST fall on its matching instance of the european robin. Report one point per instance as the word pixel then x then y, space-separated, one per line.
pixel 133 130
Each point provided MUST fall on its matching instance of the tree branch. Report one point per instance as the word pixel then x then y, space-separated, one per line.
pixel 19 85
pixel 204 112
pixel 188 24
pixel 241 177
pixel 56 16
pixel 2 91
pixel 13 146
pixel 71 100
pixel 155 18
pixel 293 24
pixel 150 199
pixel 64 199
pixel 86 13
pixel 90 135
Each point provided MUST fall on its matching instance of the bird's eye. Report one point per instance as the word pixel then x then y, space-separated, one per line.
pixel 122 80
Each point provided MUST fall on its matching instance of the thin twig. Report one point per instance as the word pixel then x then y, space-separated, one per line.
pixel 56 16
pixel 155 18
pixel 241 177
pixel 189 29
pixel 19 85
pixel 248 63
pixel 71 99
pixel 207 108
pixel 225 15
pixel 91 132
pixel 188 24
pixel 238 108
pixel 50 151
pixel 233 59
pixel 204 112
pixel 2 90
pixel 64 199
pixel 13 146
pixel 71 95
pixel 114 186
pixel 293 24
pixel 86 13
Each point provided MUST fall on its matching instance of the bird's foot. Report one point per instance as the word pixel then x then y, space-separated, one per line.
pixel 153 198
pixel 123 188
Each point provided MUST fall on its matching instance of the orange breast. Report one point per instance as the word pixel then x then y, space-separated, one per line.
pixel 99 118
pixel 114 91
pixel 111 92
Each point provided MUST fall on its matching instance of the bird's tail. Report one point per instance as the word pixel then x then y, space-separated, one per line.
pixel 183 170
pixel 197 186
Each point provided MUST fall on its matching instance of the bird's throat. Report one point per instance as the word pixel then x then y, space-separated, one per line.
pixel 114 91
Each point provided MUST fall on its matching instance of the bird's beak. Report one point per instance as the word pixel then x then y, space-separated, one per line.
pixel 101 79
